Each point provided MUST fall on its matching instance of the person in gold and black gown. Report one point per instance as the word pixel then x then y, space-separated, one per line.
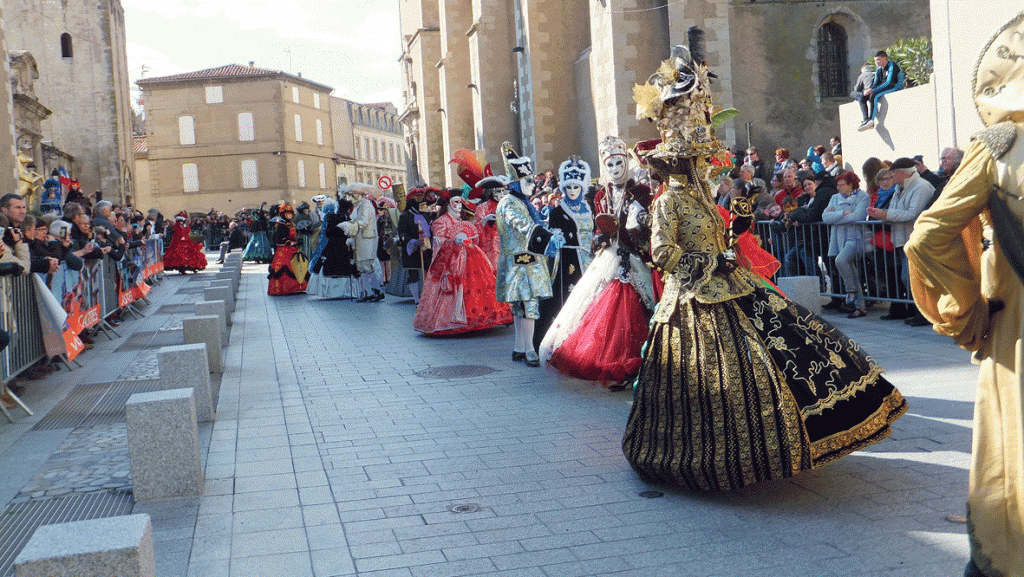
pixel 737 384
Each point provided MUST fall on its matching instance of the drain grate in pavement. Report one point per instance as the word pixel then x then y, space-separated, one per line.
pixel 19 521
pixel 177 309
pixel 464 508
pixel 455 372
pixel 96 404
pixel 152 339
pixel 110 408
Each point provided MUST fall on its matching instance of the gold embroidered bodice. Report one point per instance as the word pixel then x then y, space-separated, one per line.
pixel 688 234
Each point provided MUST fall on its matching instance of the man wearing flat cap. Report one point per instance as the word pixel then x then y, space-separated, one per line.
pixel 911 198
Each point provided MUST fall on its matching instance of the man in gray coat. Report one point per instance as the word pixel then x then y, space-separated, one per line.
pixel 911 198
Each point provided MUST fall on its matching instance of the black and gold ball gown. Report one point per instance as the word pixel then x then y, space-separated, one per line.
pixel 739 384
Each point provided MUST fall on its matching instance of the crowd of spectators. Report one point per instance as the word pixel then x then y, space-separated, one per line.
pixel 68 234
pixel 846 228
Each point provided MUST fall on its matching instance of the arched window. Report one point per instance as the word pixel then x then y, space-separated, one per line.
pixel 832 67
pixel 66 50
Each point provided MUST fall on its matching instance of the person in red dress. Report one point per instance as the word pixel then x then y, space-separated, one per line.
pixel 458 293
pixel 184 254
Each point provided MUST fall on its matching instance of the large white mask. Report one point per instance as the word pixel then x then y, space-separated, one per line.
pixel 617 168
pixel 572 191
pixel 455 206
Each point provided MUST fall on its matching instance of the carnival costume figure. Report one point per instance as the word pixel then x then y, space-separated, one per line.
pixel 304 229
pixel 319 216
pixel 976 296
pixel 259 249
pixel 573 217
pixel 362 228
pixel 183 254
pixel 458 293
pixel 414 241
pixel 289 268
pixel 522 273
pixel 385 236
pixel 471 172
pixel 738 385
pixel 334 274
pixel 601 328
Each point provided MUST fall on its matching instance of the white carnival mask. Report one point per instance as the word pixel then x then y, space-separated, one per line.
pixel 455 206
pixel 573 191
pixel 617 168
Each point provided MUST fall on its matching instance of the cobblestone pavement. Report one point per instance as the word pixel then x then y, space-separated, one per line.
pixel 339 450
pixel 92 459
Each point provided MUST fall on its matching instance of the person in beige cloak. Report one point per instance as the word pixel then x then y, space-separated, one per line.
pixel 974 295
pixel 362 228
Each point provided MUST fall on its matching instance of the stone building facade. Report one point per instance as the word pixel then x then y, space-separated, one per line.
pixel 8 152
pixel 554 77
pixel 79 47
pixel 368 142
pixel 236 136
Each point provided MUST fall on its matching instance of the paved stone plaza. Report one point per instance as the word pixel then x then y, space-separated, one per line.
pixel 347 444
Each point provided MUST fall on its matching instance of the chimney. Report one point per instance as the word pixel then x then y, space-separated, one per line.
pixel 252 64
pixel 300 75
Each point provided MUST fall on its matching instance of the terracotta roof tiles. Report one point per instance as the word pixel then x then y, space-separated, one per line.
pixel 228 72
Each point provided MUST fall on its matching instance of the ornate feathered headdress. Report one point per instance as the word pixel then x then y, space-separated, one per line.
pixel 470 171
pixel 677 98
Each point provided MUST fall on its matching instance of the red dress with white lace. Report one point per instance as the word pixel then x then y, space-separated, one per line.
pixel 458 294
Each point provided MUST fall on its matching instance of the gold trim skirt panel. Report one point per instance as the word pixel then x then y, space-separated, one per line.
pixel 751 389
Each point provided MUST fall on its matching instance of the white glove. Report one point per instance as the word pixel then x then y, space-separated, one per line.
pixel 460 238
pixel 490 217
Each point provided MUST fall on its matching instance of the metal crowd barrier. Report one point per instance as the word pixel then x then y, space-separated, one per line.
pixel 19 316
pixel 100 298
pixel 213 236
pixel 803 250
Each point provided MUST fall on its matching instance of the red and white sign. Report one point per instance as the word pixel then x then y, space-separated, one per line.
pixel 384 182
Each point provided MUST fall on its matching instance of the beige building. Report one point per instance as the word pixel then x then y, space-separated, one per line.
pixel 234 137
pixel 79 47
pixel 555 76
pixel 368 142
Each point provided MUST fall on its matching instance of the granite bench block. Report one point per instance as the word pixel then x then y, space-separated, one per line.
pixel 218 309
pixel 205 330
pixel 114 546
pixel 185 367
pixel 163 445
pixel 223 282
pixel 219 292
pixel 228 276
pixel 803 290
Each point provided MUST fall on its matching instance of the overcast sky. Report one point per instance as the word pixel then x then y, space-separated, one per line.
pixel 352 45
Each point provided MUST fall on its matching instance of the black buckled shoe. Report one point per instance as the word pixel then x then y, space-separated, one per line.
pixel 518 357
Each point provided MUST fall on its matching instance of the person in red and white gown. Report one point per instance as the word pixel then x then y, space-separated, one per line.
pixel 458 294
pixel 602 326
